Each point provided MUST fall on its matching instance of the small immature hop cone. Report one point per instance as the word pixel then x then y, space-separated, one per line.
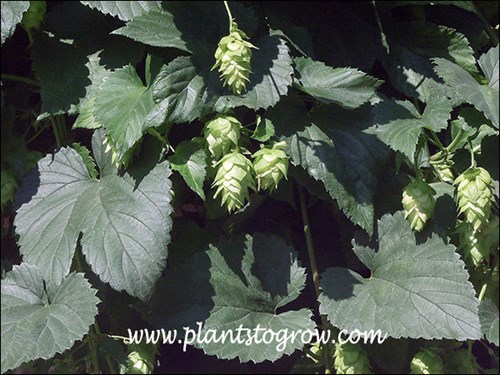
pixel 426 361
pixel 418 203
pixel 442 167
pixel 233 179
pixel 232 57
pixel 222 135
pixel 475 195
pixel 141 360
pixel 351 359
pixel 270 166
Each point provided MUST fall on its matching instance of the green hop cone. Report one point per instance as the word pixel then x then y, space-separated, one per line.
pixel 474 195
pixel 461 362
pixel 418 203
pixel 126 158
pixel 426 361
pixel 233 179
pixel 470 244
pixel 351 359
pixel 141 359
pixel 270 165
pixel 442 167
pixel 222 134
pixel 232 57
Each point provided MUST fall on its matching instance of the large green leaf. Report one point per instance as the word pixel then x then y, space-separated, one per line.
pixel 179 91
pixel 488 315
pixel 190 160
pixel 60 68
pixel 409 62
pixel 332 147
pixel 12 14
pixel 122 105
pixel 165 34
pixel 241 282
pixel 414 290
pixel 347 87
pixel 40 318
pixel 124 10
pixel 399 124
pixel 483 97
pixel 125 224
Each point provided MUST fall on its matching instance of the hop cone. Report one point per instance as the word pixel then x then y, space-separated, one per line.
pixel 351 359
pixel 461 362
pixel 475 195
pixel 233 179
pixel 426 361
pixel 222 134
pixel 232 57
pixel 270 165
pixel 141 359
pixel 442 167
pixel 418 203
pixel 123 161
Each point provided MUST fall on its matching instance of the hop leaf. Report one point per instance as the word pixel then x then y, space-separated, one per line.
pixel 427 361
pixel 9 184
pixel 232 57
pixel 475 195
pixel 35 14
pixel 233 179
pixel 351 359
pixel 123 161
pixel 461 362
pixel 222 134
pixel 270 165
pixel 418 203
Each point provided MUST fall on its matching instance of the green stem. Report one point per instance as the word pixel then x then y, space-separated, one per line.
pixel 382 34
pixel 482 292
pixel 42 128
pixel 13 77
pixel 472 156
pixel 315 273
pixel 156 133
pixel 55 130
pixel 455 141
pixel 230 16
pixel 438 142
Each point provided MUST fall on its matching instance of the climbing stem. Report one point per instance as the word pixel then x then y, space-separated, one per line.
pixel 315 274
pixel 229 15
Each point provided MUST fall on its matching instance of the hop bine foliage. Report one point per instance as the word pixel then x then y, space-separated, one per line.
pixel 427 361
pixel 474 195
pixel 270 165
pixel 9 184
pixel 461 362
pixel 124 161
pixel 351 359
pixel 233 180
pixel 418 203
pixel 222 135
pixel 232 57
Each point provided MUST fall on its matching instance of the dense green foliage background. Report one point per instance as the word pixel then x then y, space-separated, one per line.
pixel 109 219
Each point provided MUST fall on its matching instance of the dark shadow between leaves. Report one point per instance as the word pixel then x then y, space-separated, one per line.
pixel 182 297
